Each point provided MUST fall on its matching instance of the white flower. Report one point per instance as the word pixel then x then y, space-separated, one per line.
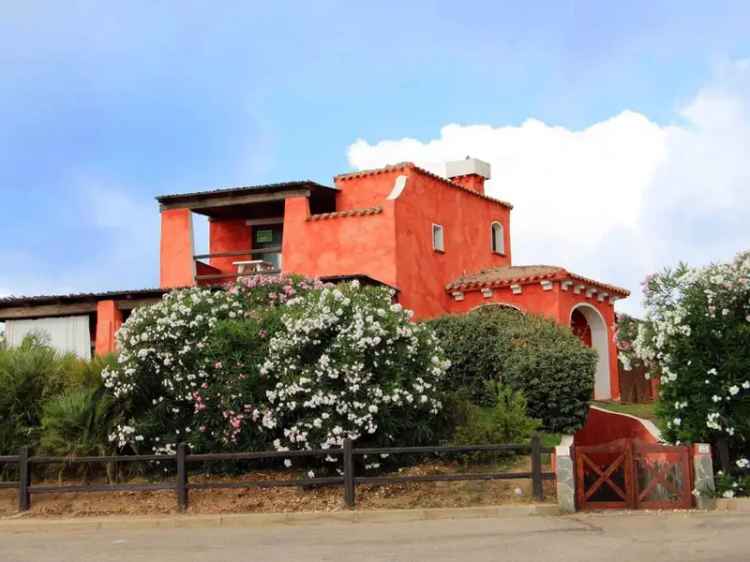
pixel 734 390
pixel 288 463
pixel 728 494
pixel 743 463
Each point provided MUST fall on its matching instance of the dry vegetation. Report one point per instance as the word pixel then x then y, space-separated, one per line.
pixel 401 496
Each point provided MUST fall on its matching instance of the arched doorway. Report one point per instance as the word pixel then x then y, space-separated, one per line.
pixel 587 323
pixel 580 327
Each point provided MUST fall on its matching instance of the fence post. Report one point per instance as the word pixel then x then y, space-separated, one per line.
pixel 181 485
pixel 24 474
pixel 349 497
pixel 536 467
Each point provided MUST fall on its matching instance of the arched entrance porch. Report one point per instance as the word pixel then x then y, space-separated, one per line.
pixel 589 325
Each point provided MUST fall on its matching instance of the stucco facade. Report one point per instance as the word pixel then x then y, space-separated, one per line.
pixel 381 224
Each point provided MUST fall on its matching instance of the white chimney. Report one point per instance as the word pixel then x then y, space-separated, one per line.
pixel 470 173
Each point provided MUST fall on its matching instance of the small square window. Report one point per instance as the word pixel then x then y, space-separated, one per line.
pixel 438 240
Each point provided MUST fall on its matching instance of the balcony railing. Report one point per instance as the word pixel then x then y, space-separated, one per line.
pixel 256 265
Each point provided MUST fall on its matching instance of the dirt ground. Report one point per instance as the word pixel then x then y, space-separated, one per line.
pixel 287 499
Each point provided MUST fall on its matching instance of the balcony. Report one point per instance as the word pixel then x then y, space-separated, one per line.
pixel 245 230
pixel 263 261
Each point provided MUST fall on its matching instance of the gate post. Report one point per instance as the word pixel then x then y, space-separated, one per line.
pixel 703 474
pixel 565 476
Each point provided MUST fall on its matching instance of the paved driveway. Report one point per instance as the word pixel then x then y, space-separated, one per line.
pixel 638 537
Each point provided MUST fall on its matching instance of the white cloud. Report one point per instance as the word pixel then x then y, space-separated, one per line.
pixel 621 198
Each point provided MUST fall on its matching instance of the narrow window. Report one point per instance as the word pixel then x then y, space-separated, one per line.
pixel 438 241
pixel 498 238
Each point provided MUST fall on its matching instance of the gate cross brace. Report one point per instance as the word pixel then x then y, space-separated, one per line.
pixel 604 476
pixel 659 476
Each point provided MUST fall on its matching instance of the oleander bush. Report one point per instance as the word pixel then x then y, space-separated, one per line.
pixel 347 363
pixel 696 338
pixel 183 364
pixel 280 362
pixel 528 353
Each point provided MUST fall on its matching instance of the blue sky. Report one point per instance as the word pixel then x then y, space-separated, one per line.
pixel 103 106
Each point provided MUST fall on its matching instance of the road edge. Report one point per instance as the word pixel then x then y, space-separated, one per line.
pixel 36 524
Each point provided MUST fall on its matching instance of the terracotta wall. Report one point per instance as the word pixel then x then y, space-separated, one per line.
pixel 603 426
pixel 177 268
pixel 339 246
pixel 533 299
pixel 108 321
pixel 361 192
pixel 423 273
pixel 228 235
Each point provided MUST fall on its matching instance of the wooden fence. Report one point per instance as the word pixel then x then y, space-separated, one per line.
pixel 181 486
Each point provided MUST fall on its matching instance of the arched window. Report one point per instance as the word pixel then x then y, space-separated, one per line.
pixel 498 238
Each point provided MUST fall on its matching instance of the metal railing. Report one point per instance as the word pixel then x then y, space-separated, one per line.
pixel 260 252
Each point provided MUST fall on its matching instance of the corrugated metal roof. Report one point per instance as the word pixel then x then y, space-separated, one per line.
pixel 14 301
pixel 242 190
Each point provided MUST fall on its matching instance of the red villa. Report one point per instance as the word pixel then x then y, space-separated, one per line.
pixel 442 243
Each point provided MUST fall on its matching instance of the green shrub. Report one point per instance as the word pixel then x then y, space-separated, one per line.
pixel 476 344
pixel 77 423
pixel 529 353
pixel 30 375
pixel 505 422
pixel 87 374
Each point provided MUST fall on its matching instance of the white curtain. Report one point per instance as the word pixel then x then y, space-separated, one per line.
pixel 66 334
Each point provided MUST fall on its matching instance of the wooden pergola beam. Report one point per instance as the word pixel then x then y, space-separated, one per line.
pixel 207 202
pixel 46 310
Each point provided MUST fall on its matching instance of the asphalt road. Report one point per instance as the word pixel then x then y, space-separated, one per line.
pixel 639 537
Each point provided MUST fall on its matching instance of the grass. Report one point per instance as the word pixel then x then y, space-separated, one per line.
pixel 550 439
pixel 645 410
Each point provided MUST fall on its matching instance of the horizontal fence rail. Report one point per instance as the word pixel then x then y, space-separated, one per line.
pixel 349 480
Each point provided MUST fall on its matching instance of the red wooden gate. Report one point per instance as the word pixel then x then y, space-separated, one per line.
pixel 631 474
